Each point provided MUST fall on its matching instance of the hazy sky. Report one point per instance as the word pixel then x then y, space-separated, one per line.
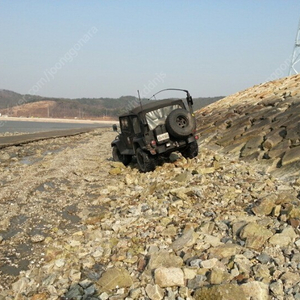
pixel 113 48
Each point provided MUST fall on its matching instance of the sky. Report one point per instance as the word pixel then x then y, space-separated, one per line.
pixel 110 48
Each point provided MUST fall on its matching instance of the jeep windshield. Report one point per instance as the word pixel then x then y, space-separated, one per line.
pixel 159 116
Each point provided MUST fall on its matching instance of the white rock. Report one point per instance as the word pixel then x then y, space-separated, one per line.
pixel 20 285
pixel 209 263
pixel 37 238
pixel 256 290
pixel 212 240
pixel 60 262
pixel 167 277
pixel 154 292
pixel 189 273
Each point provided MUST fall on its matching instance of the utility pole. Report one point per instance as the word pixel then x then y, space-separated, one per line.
pixel 296 54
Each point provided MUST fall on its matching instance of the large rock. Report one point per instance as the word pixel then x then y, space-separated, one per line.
pixel 290 279
pixel 264 206
pixel 243 264
pixel 256 290
pixel 277 288
pixel 154 292
pixel 223 251
pixel 221 292
pixel 283 239
pixel 167 277
pixel 279 149
pixel 255 235
pixel 218 276
pixel 273 138
pixel 114 278
pixel 164 259
pixel 252 146
pixel 291 156
pixel 186 240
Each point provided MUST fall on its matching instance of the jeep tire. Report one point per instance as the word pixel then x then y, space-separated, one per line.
pixel 145 162
pixel 180 123
pixel 117 156
pixel 191 150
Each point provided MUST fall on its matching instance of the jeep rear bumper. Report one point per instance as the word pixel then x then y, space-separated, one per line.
pixel 172 146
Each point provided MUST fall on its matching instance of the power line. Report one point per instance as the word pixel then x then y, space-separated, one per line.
pixel 296 54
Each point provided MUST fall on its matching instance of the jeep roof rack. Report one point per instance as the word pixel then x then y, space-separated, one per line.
pixel 189 98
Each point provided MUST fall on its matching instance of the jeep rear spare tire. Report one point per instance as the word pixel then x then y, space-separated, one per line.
pixel 180 123
pixel 145 162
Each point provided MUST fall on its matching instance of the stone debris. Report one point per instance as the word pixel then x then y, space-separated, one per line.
pixel 76 225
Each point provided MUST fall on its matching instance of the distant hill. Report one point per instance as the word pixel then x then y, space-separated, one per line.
pixel 9 98
pixel 17 105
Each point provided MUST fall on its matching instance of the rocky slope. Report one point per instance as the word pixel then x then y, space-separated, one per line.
pixel 75 225
pixel 259 124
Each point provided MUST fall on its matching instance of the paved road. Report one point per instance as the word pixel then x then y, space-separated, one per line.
pixel 7 141
pixel 28 126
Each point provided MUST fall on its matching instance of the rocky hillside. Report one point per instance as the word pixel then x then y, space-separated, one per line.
pixel 260 124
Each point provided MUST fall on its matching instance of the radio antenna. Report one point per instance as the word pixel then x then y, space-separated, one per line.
pixel 140 99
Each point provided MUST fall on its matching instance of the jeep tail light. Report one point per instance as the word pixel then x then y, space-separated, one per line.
pixel 153 143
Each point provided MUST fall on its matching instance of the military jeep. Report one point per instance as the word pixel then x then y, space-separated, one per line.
pixel 154 130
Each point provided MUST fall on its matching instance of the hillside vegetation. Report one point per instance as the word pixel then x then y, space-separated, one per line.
pixel 17 105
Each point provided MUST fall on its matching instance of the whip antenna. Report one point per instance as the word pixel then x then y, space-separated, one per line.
pixel 141 105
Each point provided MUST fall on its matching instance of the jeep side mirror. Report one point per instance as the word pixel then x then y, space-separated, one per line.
pixel 115 128
pixel 190 101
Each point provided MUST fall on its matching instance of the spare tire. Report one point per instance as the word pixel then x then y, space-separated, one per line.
pixel 180 123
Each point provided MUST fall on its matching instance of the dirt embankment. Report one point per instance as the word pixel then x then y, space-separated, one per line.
pixel 52 109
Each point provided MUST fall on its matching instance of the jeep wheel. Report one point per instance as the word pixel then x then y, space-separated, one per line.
pixel 180 123
pixel 145 162
pixel 191 150
pixel 117 156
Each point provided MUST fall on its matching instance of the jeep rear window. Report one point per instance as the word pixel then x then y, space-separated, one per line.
pixel 125 124
pixel 159 116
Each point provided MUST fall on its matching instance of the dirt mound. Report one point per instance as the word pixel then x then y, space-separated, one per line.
pixel 259 124
pixel 40 109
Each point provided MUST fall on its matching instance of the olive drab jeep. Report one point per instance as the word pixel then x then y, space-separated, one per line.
pixel 154 130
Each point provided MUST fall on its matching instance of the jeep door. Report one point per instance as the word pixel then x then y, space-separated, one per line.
pixel 127 133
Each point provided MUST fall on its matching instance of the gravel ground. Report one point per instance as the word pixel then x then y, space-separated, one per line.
pixel 75 225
